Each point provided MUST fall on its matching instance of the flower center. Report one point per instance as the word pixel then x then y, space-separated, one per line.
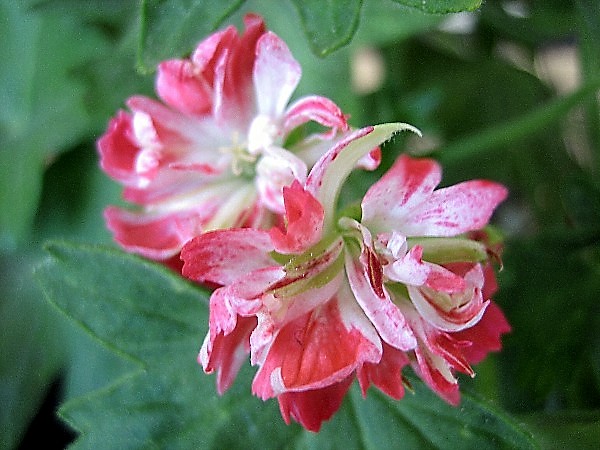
pixel 243 163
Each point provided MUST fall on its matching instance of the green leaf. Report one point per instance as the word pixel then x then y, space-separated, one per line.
pixel 330 24
pixel 419 420
pixel 43 110
pixel 565 429
pixel 156 320
pixel 31 345
pixel 171 28
pixel 442 6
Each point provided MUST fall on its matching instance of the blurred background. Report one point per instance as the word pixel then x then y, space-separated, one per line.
pixel 508 92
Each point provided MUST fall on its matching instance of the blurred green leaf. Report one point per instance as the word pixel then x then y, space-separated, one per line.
pixel 43 109
pixel 442 6
pixel 570 429
pixel 171 28
pixel 329 24
pixel 31 345
pixel 156 320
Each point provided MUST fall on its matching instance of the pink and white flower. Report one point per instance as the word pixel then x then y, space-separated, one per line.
pixel 213 153
pixel 327 298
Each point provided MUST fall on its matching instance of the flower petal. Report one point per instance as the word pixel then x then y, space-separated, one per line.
pixel 276 75
pixel 316 350
pixel 304 216
pixel 312 407
pixel 223 256
pixel 179 85
pixel 118 149
pixel 456 209
pixel 226 353
pixel 330 172
pixel 154 237
pixel 318 109
pixel 386 375
pixel 276 169
pixel 381 311
pixel 409 182
pixel 485 334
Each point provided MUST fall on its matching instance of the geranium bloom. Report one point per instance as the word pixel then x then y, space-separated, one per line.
pixel 329 297
pixel 212 155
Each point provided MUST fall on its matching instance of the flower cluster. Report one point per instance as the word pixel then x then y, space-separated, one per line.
pixel 316 296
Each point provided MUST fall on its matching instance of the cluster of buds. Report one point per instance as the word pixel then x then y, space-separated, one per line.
pixel 316 296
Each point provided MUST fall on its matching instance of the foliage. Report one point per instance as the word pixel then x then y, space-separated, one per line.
pixel 489 106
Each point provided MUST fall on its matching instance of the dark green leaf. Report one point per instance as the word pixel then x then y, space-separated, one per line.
pixel 171 28
pixel 570 429
pixel 31 345
pixel 442 6
pixel 329 24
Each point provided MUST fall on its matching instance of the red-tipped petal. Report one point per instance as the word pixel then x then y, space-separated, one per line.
pixel 304 215
pixel 311 408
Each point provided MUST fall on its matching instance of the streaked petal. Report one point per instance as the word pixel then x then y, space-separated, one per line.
pixel 118 149
pixel 277 169
pixel 223 256
pixel 304 216
pixel 276 75
pixel 317 109
pixel 181 86
pixel 455 210
pixel 150 236
pixel 313 352
pixel 484 336
pixel 330 172
pixel 381 311
pixel 409 182
pixel 226 353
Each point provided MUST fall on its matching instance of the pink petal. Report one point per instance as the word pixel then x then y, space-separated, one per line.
pixel 312 407
pixel 381 311
pixel 118 149
pixel 276 75
pixel 226 353
pixel 317 109
pixel 455 210
pixel 153 237
pixel 180 86
pixel 410 269
pixel 407 183
pixel 234 76
pixel 485 334
pixel 371 160
pixel 441 279
pixel 209 50
pixel 430 369
pixel 386 375
pixel 277 169
pixel 312 352
pixel 223 256
pixel 304 216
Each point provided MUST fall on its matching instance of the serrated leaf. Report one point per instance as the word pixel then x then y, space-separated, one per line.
pixel 330 24
pixel 171 28
pixel 157 319
pixel 442 6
